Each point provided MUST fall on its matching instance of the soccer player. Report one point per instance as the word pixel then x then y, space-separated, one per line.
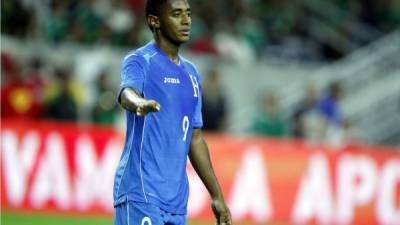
pixel 161 92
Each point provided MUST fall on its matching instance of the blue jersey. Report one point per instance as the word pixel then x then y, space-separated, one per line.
pixel 153 163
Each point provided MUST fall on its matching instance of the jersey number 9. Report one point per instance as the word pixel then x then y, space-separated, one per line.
pixel 185 127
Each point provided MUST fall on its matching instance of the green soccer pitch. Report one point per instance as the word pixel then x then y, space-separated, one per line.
pixel 22 218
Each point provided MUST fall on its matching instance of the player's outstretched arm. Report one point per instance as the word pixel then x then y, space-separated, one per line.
pixel 132 101
pixel 200 159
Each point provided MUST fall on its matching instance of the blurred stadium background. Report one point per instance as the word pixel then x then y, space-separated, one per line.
pixel 301 108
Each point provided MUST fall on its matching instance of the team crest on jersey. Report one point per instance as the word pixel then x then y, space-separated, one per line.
pixel 171 80
pixel 195 85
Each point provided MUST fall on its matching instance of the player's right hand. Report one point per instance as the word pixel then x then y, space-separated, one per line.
pixel 144 106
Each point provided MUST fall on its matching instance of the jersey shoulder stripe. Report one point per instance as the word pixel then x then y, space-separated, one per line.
pixel 141 55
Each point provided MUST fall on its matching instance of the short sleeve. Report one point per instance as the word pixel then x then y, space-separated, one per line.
pixel 132 74
pixel 197 117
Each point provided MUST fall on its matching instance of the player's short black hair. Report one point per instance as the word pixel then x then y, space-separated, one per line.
pixel 153 7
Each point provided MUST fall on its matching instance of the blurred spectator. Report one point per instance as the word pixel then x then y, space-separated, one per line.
pixel 57 22
pixel 233 47
pixel 328 124
pixel 249 27
pixel 136 5
pixel 121 21
pixel 20 97
pixel 87 21
pixel 269 120
pixel 36 74
pixel 328 105
pixel 104 110
pixel 15 18
pixel 7 67
pixel 214 102
pixel 307 104
pixel 204 44
pixel 315 126
pixel 61 103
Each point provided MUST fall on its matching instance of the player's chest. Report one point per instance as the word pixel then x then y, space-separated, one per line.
pixel 173 83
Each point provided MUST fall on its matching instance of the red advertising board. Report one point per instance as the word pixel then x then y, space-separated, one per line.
pixel 70 168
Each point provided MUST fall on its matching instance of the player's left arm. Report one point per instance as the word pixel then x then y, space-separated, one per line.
pixel 201 162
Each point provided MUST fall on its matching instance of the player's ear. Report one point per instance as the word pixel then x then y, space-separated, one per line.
pixel 153 21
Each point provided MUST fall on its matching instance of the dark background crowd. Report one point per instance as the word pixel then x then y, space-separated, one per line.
pixel 303 30
pixel 310 30
pixel 36 90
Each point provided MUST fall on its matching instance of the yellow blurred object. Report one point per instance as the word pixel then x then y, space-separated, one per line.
pixel 21 100
pixel 53 89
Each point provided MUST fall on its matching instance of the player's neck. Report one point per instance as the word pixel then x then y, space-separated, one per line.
pixel 169 48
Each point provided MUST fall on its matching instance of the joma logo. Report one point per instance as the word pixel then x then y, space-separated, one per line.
pixel 171 80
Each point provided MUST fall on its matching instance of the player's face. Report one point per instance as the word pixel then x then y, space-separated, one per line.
pixel 175 21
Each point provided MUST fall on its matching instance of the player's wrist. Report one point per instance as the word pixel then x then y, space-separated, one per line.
pixel 132 100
